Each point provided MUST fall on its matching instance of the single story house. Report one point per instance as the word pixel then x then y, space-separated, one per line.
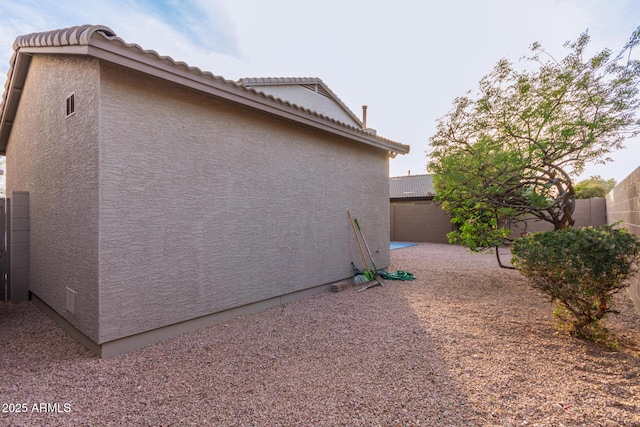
pixel 414 216
pixel 148 198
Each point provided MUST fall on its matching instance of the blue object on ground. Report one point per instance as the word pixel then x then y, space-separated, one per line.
pixel 398 245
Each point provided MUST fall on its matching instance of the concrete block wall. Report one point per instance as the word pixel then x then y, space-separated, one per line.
pixel 419 221
pixel 425 221
pixel 588 212
pixel 623 204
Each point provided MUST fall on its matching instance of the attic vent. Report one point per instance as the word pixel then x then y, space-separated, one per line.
pixel 317 89
pixel 323 92
pixel 71 104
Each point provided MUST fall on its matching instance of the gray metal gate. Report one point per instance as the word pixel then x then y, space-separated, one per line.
pixel 3 251
pixel 14 247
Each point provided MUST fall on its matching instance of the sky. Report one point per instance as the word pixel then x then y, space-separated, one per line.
pixel 406 60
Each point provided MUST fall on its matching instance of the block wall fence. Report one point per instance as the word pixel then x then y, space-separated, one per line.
pixel 623 204
pixel 425 221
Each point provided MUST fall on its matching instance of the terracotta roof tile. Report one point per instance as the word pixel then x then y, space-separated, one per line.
pixel 79 35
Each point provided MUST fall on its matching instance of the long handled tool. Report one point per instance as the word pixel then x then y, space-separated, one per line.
pixel 376 275
pixel 370 275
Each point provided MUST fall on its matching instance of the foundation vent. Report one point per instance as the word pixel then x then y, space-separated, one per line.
pixel 70 303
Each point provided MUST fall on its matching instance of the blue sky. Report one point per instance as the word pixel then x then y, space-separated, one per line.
pixel 405 59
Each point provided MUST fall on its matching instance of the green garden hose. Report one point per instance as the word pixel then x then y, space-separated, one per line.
pixel 397 275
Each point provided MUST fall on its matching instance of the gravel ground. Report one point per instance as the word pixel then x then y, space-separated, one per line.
pixel 466 344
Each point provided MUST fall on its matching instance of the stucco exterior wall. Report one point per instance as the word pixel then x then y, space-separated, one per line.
pixel 206 206
pixel 55 159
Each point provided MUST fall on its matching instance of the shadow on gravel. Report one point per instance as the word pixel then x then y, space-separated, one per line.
pixel 348 358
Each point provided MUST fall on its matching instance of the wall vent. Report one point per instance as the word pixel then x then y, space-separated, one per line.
pixel 317 89
pixel 71 104
pixel 323 92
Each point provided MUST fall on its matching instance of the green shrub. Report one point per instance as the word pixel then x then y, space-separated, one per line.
pixel 580 270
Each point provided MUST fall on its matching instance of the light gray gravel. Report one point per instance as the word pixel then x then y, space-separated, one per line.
pixel 466 344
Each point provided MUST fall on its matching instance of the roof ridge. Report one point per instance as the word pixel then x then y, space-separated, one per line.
pixel 78 35
pixel 280 80
pixel 412 176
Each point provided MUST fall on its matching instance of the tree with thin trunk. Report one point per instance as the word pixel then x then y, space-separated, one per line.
pixel 509 153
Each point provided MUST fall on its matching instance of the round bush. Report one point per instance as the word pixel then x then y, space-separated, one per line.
pixel 580 270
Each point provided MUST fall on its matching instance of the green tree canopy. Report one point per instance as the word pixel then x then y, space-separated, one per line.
pixel 508 152
pixel 596 186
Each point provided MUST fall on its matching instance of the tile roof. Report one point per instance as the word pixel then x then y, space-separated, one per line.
pixel 79 35
pixel 275 81
pixel 101 42
pixel 411 187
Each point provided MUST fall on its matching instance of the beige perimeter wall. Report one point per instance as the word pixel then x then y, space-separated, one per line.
pixel 419 221
pixel 425 221
pixel 623 204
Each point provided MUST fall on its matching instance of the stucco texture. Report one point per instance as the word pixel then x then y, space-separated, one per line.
pixel 55 159
pixel 206 206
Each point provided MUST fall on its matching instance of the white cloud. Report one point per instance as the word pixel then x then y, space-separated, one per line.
pixel 202 28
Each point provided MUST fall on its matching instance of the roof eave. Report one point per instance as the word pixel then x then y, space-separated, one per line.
pixel 412 198
pixel 114 50
pixel 165 68
pixel 17 78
